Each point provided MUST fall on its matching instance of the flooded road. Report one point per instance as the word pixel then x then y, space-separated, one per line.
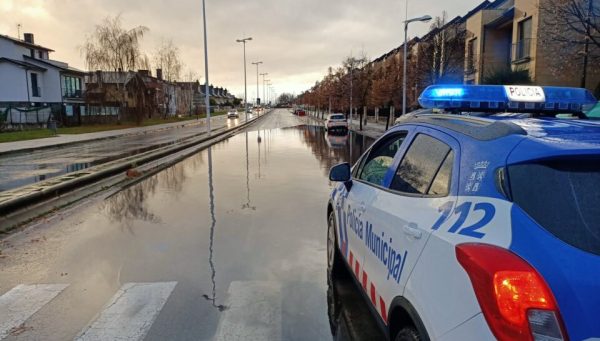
pixel 20 169
pixel 228 244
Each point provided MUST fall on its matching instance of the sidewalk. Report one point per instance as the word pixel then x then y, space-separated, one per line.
pixel 9 147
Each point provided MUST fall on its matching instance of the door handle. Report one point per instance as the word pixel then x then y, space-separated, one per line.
pixel 412 231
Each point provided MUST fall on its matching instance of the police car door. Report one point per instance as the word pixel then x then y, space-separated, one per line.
pixel 400 217
pixel 369 178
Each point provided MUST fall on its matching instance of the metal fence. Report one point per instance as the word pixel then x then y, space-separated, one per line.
pixel 11 117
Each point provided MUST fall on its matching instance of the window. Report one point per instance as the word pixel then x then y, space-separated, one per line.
pixel 32 53
pixel 441 182
pixel 426 158
pixel 71 86
pixel 471 60
pixel 380 158
pixel 40 54
pixel 35 89
pixel 562 196
pixel 523 45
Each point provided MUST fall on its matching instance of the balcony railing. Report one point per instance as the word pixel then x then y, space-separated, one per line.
pixel 522 50
pixel 69 93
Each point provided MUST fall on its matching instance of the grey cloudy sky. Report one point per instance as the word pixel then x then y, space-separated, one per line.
pixel 296 39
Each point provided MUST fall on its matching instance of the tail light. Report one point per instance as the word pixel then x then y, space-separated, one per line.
pixel 515 300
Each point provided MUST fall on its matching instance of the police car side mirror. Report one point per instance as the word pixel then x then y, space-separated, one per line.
pixel 340 173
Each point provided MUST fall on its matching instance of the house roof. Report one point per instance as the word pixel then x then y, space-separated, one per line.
pixel 24 43
pixel 22 64
pixel 55 64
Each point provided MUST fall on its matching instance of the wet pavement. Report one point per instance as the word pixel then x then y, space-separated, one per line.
pixel 25 168
pixel 227 244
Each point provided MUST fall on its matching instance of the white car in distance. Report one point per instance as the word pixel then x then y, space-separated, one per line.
pixel 336 122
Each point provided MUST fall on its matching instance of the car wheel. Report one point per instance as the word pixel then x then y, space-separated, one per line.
pixel 333 253
pixel 408 334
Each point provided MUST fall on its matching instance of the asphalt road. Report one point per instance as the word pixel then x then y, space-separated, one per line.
pixel 229 244
pixel 20 169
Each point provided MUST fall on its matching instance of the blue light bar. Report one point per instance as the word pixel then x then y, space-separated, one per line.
pixel 506 98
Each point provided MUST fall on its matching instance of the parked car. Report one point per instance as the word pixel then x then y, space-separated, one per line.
pixel 336 123
pixel 459 227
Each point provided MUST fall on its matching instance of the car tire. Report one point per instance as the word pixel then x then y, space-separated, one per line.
pixel 334 261
pixel 407 334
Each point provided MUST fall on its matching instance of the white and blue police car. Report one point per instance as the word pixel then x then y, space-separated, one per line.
pixel 481 223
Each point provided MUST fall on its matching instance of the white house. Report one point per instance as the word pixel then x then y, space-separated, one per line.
pixel 32 82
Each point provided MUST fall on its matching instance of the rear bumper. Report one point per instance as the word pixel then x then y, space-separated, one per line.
pixel 333 126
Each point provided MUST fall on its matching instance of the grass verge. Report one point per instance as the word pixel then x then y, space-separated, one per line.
pixel 32 134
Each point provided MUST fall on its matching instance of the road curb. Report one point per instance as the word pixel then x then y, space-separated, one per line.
pixel 35 196
pixel 71 143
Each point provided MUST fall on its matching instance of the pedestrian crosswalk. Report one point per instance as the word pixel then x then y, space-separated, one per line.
pixel 127 316
pixel 130 312
pixel 17 305
pixel 253 310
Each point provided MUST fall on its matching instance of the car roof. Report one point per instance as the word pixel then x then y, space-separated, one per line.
pixel 493 127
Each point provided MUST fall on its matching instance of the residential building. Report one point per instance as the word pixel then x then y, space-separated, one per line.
pixel 34 86
pixel 507 35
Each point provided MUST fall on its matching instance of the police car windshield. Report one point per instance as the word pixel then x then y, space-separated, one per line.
pixel 562 196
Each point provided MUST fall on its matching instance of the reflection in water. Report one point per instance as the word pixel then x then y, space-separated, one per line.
pixel 213 223
pixel 330 149
pixel 247 204
pixel 348 312
pixel 129 204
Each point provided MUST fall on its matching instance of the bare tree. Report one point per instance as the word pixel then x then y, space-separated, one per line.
pixel 571 32
pixel 114 48
pixel 166 57
pixel 441 54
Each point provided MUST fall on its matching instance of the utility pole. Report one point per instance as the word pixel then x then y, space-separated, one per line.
pixel 257 95
pixel 264 92
pixel 206 97
pixel 243 41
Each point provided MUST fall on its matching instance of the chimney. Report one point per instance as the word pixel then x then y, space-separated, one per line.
pixel 28 37
pixel 159 74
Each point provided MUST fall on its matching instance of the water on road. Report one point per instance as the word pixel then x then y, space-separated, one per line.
pixel 227 244
pixel 24 168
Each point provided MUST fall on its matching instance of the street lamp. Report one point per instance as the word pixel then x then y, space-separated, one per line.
pixel 424 18
pixel 243 41
pixel 264 97
pixel 257 95
pixel 206 97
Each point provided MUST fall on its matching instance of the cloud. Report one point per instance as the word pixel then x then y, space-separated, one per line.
pixel 296 39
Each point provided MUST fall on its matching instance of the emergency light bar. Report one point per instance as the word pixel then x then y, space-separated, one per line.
pixel 509 98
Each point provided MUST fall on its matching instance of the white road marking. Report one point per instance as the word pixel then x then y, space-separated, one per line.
pixel 22 301
pixel 253 312
pixel 130 313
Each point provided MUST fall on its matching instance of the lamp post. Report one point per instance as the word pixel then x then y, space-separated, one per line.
pixel 206 97
pixel 264 97
pixel 257 95
pixel 268 84
pixel 424 18
pixel 243 41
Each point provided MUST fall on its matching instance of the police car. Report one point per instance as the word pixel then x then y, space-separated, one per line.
pixel 481 223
